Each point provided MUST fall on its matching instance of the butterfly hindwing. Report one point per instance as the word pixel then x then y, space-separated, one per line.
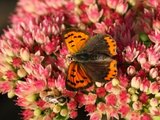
pixel 77 77
pixel 103 44
pixel 75 40
pixel 102 71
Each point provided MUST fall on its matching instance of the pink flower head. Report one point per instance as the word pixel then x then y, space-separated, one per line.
pixel 112 3
pixel 100 92
pixel 130 53
pixel 89 2
pixel 153 72
pixel 142 58
pixel 131 70
pixel 101 27
pixel 5 87
pixel 93 14
pixel 137 105
pixel 60 82
pixel 134 116
pixel 73 114
pixel 72 105
pixel 154 37
pixel 123 80
pixel 108 86
pixel 121 8
pixel 111 99
pixel 144 98
pixel 124 110
pixel 135 82
pixel 156 25
pixel 146 116
pixel 154 55
pixel 95 115
pixel 90 108
pixel 123 97
pixel 144 85
pixel 27 114
pixel 101 107
pixel 153 3
pixel 154 88
pixel 90 98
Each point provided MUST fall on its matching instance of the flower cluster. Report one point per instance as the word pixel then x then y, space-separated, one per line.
pixel 33 60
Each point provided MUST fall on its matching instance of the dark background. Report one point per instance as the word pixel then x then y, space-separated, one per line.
pixel 8 109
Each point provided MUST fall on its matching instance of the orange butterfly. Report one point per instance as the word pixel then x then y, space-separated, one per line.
pixel 91 59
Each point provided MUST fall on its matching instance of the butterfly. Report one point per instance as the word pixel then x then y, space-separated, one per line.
pixel 61 100
pixel 91 59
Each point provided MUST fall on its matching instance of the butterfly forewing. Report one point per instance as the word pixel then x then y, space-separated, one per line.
pixel 77 77
pixel 75 40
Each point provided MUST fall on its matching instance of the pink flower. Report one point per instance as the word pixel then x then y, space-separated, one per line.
pixel 90 98
pixel 101 107
pixel 112 3
pixel 93 14
pixel 153 3
pixel 144 86
pixel 95 116
pixel 137 105
pixel 88 2
pixel 154 88
pixel 73 114
pixel 131 70
pixel 124 110
pixel 60 83
pixel 123 80
pixel 5 86
pixel 142 58
pixel 72 105
pixel 135 82
pixel 153 55
pixel 101 92
pixel 11 75
pixel 153 72
pixel 90 108
pixel 111 99
pixel 101 27
pixel 17 62
pixel 108 86
pixel 123 97
pixel 144 98
pixel 154 111
pixel 134 116
pixel 27 114
pixel 40 103
pixel 146 116
pixel 130 53
pixel 121 8
pixel 24 54
pixel 154 37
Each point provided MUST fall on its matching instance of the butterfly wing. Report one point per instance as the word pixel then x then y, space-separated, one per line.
pixel 101 71
pixel 103 44
pixel 77 77
pixel 75 40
